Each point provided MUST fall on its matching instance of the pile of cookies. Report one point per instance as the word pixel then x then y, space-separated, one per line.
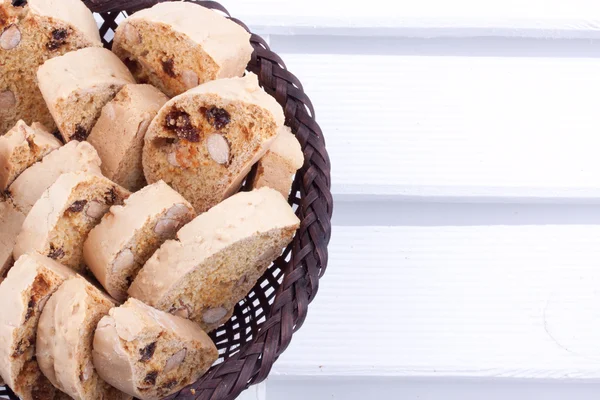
pixel 124 238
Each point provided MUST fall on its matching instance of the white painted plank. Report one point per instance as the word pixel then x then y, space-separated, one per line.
pixel 361 388
pixel 470 302
pixel 469 127
pixel 424 18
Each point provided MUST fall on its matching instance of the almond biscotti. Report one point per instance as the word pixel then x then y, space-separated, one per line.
pixel 217 258
pixel 11 221
pixel 61 219
pixel 148 353
pixel 30 35
pixel 128 235
pixel 77 85
pixel 23 295
pixel 176 46
pixel 277 168
pixel 72 157
pixel 64 340
pixel 118 136
pixel 21 147
pixel 204 142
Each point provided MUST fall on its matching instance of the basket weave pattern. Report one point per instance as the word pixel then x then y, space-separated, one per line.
pixel 264 322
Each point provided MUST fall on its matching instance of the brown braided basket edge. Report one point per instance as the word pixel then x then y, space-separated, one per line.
pixel 263 323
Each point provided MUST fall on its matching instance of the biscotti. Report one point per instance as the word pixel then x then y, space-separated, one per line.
pixel 150 354
pixel 128 235
pixel 30 35
pixel 118 136
pixel 217 258
pixel 21 147
pixel 11 221
pixel 61 219
pixel 64 340
pixel 176 46
pixel 23 295
pixel 204 142
pixel 77 85
pixel 277 168
pixel 72 157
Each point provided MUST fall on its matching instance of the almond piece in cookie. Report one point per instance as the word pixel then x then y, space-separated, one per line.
pixel 30 34
pixel 217 258
pixel 204 142
pixel 176 46
pixel 62 218
pixel 128 235
pixel 148 353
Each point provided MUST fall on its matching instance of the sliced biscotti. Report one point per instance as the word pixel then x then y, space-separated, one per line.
pixel 217 258
pixel 178 45
pixel 77 85
pixel 72 157
pixel 62 218
pixel 11 221
pixel 204 142
pixel 21 147
pixel 128 235
pixel 148 353
pixel 64 340
pixel 118 136
pixel 277 168
pixel 29 35
pixel 23 295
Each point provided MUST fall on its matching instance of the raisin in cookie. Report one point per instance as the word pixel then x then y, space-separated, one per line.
pixel 150 354
pixel 72 157
pixel 176 46
pixel 21 147
pixel 217 258
pixel 128 235
pixel 64 340
pixel 277 168
pixel 30 35
pixel 118 136
pixel 23 295
pixel 204 142
pixel 77 85
pixel 61 219
pixel 11 221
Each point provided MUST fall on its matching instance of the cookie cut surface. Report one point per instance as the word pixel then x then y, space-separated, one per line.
pixel 204 142
pixel 31 184
pixel 62 218
pixel 23 295
pixel 148 353
pixel 21 147
pixel 30 35
pixel 77 85
pixel 128 235
pixel 217 258
pixel 177 46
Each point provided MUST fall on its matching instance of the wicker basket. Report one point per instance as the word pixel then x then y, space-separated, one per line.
pixel 264 322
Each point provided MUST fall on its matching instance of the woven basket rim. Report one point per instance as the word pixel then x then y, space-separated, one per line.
pixel 307 255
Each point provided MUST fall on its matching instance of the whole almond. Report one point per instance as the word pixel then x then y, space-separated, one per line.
pixel 175 360
pixel 190 79
pixel 10 37
pixel 7 100
pixel 214 315
pixel 218 148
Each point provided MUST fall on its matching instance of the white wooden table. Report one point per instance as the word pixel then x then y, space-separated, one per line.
pixel 465 143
